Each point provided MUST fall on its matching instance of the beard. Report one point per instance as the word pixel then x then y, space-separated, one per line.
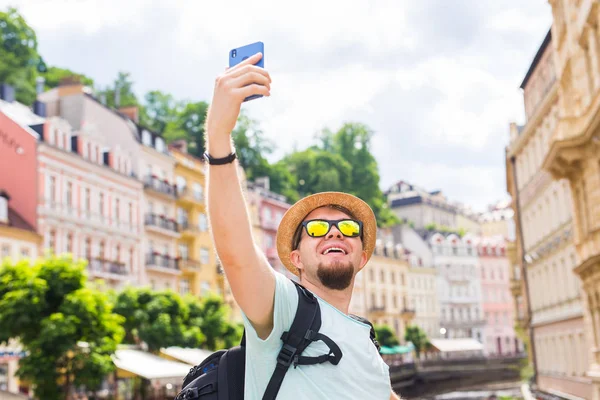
pixel 337 276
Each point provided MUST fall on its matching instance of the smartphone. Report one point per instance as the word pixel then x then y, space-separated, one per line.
pixel 238 55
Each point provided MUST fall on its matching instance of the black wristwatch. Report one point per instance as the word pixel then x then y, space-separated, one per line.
pixel 219 161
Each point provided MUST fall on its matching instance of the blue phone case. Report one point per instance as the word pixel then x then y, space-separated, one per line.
pixel 238 55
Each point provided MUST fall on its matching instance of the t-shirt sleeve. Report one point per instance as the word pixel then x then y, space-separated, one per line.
pixel 285 306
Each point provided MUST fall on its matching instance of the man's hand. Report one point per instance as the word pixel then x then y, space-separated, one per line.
pixel 231 88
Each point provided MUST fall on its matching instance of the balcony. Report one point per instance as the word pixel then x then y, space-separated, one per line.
pixel 190 265
pixel 407 313
pixel 162 263
pixel 189 197
pixel 377 311
pixel 111 270
pixel 187 229
pixel 515 287
pixel 162 187
pixel 162 225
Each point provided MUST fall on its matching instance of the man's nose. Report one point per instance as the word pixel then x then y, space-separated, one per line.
pixel 334 232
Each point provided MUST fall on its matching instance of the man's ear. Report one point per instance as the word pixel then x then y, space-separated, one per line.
pixel 296 259
pixel 363 260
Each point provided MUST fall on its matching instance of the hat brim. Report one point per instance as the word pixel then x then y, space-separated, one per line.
pixel 298 212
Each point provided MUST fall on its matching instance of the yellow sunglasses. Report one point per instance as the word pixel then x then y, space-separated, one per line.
pixel 321 227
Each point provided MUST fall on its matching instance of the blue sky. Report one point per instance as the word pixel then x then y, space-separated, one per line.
pixel 437 80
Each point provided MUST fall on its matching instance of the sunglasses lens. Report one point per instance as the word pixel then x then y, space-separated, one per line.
pixel 349 228
pixel 317 228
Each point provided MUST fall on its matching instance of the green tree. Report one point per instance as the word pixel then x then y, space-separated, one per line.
pixel 68 330
pixel 189 125
pixel 54 75
pixel 417 337
pixel 386 336
pixel 124 84
pixel 212 314
pixel 251 145
pixel 318 170
pixel 159 111
pixel 20 61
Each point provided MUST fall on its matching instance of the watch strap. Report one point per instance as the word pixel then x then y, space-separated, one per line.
pixel 220 161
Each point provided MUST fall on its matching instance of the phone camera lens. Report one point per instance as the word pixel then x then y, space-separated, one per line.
pixel 233 53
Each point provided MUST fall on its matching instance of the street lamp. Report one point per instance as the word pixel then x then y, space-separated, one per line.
pixel 443 331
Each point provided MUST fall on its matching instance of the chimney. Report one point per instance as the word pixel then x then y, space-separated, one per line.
pixel 133 112
pixel 4 198
pixel 39 84
pixel 180 145
pixel 117 97
pixel 7 93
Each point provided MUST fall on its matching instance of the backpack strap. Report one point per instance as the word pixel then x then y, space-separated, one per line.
pixel 303 331
pixel 372 333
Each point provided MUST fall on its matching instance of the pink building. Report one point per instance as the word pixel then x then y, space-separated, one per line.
pixel 270 207
pixel 500 337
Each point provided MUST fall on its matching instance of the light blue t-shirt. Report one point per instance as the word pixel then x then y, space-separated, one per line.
pixel 361 373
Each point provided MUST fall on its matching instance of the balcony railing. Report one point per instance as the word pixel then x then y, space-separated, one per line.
pixel 161 222
pixel 106 266
pixel 408 312
pixel 154 183
pixel 189 194
pixel 162 261
pixel 187 263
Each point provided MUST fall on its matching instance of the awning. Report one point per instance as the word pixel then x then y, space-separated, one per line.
pixel 397 349
pixel 187 355
pixel 149 366
pixel 453 345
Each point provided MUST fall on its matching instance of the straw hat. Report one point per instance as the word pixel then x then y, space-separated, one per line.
pixel 296 214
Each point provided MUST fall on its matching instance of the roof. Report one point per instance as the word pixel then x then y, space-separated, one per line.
pixel 406 201
pixel 150 366
pixel 187 355
pixel 537 58
pixel 453 345
pixel 22 116
pixel 16 221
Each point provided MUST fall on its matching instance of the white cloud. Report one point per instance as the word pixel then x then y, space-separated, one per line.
pixel 438 82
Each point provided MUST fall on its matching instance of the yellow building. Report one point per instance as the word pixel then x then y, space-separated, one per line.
pixel 197 257
pixel 386 294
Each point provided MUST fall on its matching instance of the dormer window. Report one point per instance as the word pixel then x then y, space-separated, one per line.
pixel 146 138
pixel 4 207
pixel 160 145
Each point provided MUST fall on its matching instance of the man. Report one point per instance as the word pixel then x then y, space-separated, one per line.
pixel 325 239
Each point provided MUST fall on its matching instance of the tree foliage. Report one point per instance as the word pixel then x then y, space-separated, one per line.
pixel 417 337
pixel 386 336
pixel 68 331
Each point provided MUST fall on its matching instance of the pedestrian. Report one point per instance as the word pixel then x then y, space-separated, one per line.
pixel 324 239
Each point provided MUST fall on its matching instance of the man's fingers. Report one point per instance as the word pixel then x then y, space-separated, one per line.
pixel 249 78
pixel 248 69
pixel 253 89
pixel 250 60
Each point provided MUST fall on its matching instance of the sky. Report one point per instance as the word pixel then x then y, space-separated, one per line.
pixel 436 80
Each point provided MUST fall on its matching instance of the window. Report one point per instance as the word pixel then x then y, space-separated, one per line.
pixel 3 209
pixel 180 183
pixel 52 189
pixel 182 216
pixel 130 213
pixel 146 138
pixel 101 250
pixel 267 214
pixel 204 255
pixel 101 205
pixel 69 195
pixel 24 252
pixel 117 210
pixel 402 279
pixel 198 191
pixel 69 243
pixel 52 241
pixel 184 286
pixel 393 277
pixel 382 275
pixel 160 144
pixel 5 250
pixel 202 223
pixel 371 275
pixel 395 301
pixel 88 200
pixel 87 248
pixel 269 240
pixel 184 251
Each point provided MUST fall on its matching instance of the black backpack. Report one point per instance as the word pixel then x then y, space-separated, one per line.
pixel 221 375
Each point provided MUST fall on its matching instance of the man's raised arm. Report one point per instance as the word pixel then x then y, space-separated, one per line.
pixel 248 272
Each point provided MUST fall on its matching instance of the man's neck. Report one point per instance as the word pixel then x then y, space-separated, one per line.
pixel 340 299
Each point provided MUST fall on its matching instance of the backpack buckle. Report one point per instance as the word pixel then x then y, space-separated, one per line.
pixel 286 355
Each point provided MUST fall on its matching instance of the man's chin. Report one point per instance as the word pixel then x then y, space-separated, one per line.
pixel 336 275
